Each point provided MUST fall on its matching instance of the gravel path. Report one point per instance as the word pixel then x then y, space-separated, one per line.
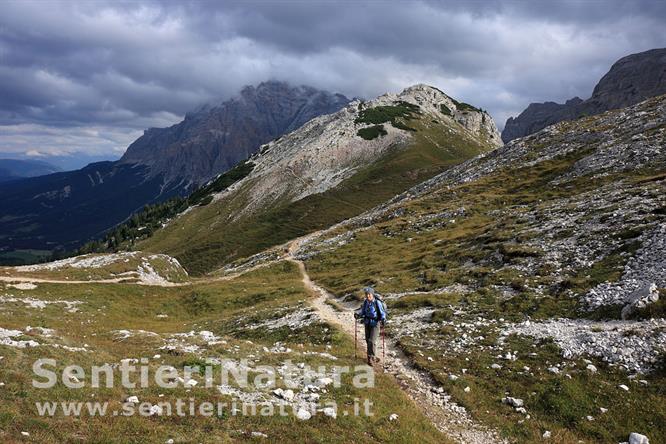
pixel 449 418
pixel 59 281
pixel 125 280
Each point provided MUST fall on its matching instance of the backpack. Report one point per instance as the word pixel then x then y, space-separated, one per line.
pixel 381 305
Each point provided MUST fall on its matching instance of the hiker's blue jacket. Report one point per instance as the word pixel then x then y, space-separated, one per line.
pixel 372 312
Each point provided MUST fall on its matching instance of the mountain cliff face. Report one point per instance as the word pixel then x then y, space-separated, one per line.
pixel 333 167
pixel 630 80
pixel 66 209
pixel 214 138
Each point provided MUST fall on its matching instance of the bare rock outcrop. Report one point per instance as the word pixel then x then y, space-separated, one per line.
pixel 630 80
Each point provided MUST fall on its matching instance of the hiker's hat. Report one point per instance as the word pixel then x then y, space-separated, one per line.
pixel 370 290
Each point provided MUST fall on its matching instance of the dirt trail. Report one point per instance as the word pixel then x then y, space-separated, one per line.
pixel 34 280
pixel 137 281
pixel 450 418
pixel 58 281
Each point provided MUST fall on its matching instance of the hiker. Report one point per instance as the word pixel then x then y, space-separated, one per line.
pixel 373 314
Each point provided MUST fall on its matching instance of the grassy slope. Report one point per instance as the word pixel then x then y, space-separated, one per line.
pixel 222 308
pixel 395 257
pixel 201 241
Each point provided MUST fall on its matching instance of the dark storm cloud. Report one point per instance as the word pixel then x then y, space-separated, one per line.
pixel 89 76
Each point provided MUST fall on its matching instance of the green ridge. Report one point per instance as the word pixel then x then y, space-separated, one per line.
pixel 201 242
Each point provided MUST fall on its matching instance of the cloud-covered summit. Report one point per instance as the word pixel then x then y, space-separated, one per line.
pixel 90 76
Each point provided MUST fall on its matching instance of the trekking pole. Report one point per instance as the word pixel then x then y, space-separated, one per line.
pixel 355 335
pixel 383 346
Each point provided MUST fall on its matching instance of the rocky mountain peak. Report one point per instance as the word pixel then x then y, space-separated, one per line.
pixel 213 138
pixel 331 148
pixel 630 80
pixel 434 101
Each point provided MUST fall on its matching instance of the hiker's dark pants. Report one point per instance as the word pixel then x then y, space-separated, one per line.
pixel 371 338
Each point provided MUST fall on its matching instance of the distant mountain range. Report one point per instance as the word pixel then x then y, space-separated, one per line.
pixel 630 80
pixel 12 169
pixel 63 210
pixel 213 139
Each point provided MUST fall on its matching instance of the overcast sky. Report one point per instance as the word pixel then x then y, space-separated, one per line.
pixel 90 76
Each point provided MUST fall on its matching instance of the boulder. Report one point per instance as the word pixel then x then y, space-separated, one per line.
pixel 513 402
pixel 288 395
pixel 640 298
pixel 637 438
pixel 303 414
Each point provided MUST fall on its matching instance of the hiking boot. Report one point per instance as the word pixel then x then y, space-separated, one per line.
pixel 370 360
